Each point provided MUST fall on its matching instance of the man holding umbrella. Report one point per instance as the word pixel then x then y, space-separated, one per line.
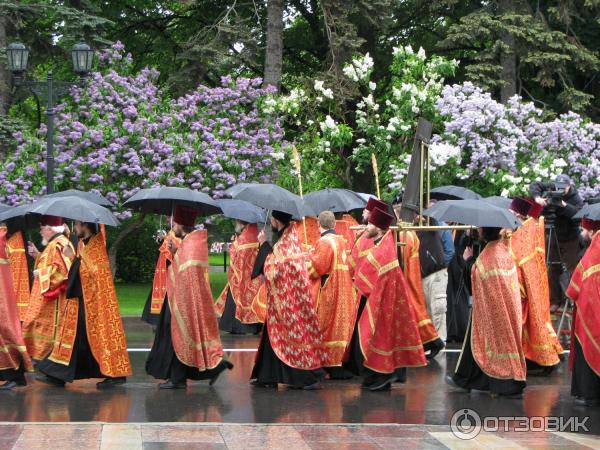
pixel 187 344
pixel 90 340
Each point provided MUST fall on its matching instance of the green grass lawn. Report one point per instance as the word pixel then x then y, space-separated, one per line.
pixel 216 259
pixel 132 296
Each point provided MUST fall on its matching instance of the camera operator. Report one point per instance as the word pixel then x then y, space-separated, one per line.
pixel 561 201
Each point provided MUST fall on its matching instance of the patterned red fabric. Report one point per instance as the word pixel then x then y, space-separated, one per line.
pixel 497 322
pixel 360 250
pixel 243 253
pixel 15 247
pixel 584 290
pixel 12 346
pixel 540 342
pixel 194 328
pixel 388 332
pixel 309 238
pixel 159 283
pixel 291 319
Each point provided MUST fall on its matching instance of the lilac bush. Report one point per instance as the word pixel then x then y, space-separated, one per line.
pixel 122 133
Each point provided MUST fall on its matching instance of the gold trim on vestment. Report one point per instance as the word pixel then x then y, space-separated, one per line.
pixel 590 271
pixel 192 263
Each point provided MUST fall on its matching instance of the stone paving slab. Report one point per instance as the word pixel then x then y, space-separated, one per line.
pixel 214 436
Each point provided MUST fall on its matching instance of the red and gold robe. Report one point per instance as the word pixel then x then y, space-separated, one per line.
pixel 411 264
pixel 360 250
pixel 342 228
pixel 47 296
pixel 312 235
pixel 387 328
pixel 13 352
pixel 496 319
pixel 159 283
pixel 291 318
pixel 15 247
pixel 243 253
pixel 540 342
pixel 584 290
pixel 194 327
pixel 336 299
pixel 104 326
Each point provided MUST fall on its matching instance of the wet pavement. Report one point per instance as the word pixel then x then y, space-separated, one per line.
pixel 424 400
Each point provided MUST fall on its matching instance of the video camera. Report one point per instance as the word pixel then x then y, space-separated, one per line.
pixel 554 198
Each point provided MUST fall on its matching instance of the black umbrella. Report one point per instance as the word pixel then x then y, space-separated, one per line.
pixel 74 208
pixel 478 213
pixel 242 210
pixel 4 207
pixel 272 197
pixel 89 196
pixel 500 202
pixel 335 200
pixel 591 212
pixel 453 193
pixel 18 217
pixel 162 200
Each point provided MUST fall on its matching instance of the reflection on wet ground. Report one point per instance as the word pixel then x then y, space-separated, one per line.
pixel 424 399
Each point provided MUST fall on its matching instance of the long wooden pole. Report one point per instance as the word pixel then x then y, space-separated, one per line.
pixel 376 172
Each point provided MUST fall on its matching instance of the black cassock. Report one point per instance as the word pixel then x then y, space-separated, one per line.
pixel 229 323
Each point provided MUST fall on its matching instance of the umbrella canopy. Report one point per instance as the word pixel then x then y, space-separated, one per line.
pixel 591 212
pixel 453 193
pixel 74 208
pixel 500 202
pixel 4 207
pixel 89 196
pixel 18 217
pixel 242 210
pixel 365 196
pixel 335 200
pixel 478 213
pixel 162 200
pixel 271 197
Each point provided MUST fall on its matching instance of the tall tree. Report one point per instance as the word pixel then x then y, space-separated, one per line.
pixel 274 48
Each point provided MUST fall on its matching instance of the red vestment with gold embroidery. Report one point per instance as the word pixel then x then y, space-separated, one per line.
pixel 15 247
pixel 159 283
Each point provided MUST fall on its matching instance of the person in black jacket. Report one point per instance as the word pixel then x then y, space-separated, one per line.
pixel 561 201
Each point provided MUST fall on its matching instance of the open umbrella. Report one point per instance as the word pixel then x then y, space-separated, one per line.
pixel 591 212
pixel 478 213
pixel 242 210
pixel 500 202
pixel 4 207
pixel 365 196
pixel 18 217
pixel 272 197
pixel 451 192
pixel 89 196
pixel 335 200
pixel 74 208
pixel 162 200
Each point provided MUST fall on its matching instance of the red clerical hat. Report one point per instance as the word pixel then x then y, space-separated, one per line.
pixel 520 205
pixel 380 219
pixel 536 209
pixel 185 216
pixel 51 221
pixel 590 225
pixel 376 203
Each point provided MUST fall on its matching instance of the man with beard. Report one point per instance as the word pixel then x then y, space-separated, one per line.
pixel 234 305
pixel 540 342
pixel 585 351
pixel 492 356
pixel 334 294
pixel 48 293
pixel 90 340
pixel 386 339
pixel 187 344
pixel 156 297
pixel 291 350
pixel 14 359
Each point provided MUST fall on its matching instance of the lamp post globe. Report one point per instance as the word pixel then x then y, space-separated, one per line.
pixel 17 55
pixel 83 58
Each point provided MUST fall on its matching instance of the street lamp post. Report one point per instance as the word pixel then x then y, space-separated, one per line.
pixel 17 55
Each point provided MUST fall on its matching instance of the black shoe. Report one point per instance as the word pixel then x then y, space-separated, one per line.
pixel 108 382
pixel 384 385
pixel 9 385
pixel 313 387
pixel 223 365
pixel 435 350
pixel 450 381
pixel 170 385
pixel 257 383
pixel 589 402
pixel 50 380
pixel 368 381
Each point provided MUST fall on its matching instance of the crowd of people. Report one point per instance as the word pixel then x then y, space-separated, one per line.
pixel 332 297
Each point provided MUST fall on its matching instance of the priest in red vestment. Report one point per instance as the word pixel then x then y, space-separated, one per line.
pixel 90 339
pixel 15 247
pixel 584 290
pixel 335 296
pixel 540 342
pixel 157 295
pixel 187 344
pixel 14 359
pixel 386 339
pixel 492 357
pixel 363 244
pixel 291 350
pixel 234 305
